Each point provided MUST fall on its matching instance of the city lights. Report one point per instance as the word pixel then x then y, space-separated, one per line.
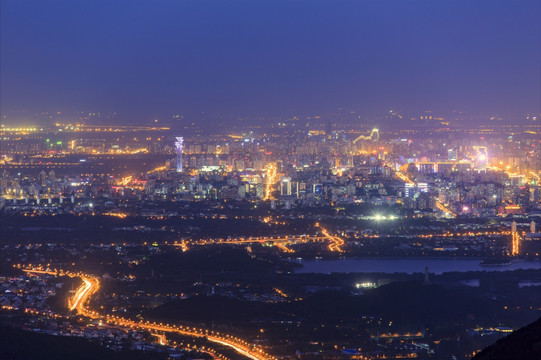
pixel 263 181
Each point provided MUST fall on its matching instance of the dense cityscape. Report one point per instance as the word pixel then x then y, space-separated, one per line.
pixel 274 180
pixel 265 225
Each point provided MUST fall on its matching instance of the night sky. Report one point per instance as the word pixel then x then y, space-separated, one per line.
pixel 150 59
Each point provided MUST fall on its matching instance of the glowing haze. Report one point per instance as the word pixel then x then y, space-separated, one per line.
pixel 147 59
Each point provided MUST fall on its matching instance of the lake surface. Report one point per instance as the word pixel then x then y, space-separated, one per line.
pixel 410 266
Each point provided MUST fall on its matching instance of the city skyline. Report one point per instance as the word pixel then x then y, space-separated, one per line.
pixel 279 180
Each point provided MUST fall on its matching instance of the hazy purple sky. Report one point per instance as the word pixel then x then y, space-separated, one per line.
pixel 147 59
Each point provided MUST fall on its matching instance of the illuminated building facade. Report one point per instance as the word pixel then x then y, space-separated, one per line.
pixel 452 155
pixel 179 144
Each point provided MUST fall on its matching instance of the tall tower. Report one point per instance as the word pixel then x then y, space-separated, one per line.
pixel 374 134
pixel 427 277
pixel 481 158
pixel 179 144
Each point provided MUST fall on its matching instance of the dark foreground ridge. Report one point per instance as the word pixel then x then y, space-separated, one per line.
pixel 523 344
pixel 18 344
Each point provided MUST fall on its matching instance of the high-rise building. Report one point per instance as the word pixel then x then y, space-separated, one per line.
pixel 409 190
pixel 42 178
pixel 374 134
pixel 451 155
pixel 285 187
pixel 481 158
pixel 179 144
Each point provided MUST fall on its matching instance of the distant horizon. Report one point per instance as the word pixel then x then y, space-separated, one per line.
pixel 148 60
pixel 198 179
pixel 30 118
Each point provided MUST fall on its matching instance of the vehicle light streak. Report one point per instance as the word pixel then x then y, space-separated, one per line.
pixel 336 242
pixel 81 295
pixel 271 181
pixel 284 248
pixel 91 285
pixel 280 242
pixel 444 209
pixel 161 338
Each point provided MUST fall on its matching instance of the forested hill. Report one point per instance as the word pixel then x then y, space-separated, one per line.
pixel 523 344
pixel 18 344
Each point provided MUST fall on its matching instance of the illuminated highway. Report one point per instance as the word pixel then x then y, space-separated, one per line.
pixel 335 245
pixel 83 293
pixel 336 242
pixel 91 285
pixel 271 181
pixel 444 208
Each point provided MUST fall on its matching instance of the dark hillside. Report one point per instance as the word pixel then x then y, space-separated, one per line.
pixel 523 344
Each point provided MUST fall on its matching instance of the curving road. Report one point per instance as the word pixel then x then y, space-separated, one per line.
pixel 91 285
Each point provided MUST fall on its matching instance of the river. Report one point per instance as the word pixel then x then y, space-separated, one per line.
pixel 406 265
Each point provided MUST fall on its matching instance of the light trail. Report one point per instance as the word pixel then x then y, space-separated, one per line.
pixel 184 246
pixel 118 215
pixel 283 247
pixel 77 302
pixel 161 338
pixel 444 209
pixel 281 293
pixel 159 168
pixel 91 285
pixel 466 234
pixel 81 295
pixel 336 242
pixel 240 346
pixel 125 180
pixel 403 177
pixel 279 242
pixel 272 179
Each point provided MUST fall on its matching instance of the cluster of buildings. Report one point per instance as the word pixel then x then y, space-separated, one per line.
pixel 444 172
pixel 23 297
pixel 22 292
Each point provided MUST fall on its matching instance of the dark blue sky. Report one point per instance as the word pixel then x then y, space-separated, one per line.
pixel 147 59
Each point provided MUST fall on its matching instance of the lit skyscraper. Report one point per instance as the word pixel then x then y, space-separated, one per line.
pixel 409 190
pixel 179 144
pixel 451 155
